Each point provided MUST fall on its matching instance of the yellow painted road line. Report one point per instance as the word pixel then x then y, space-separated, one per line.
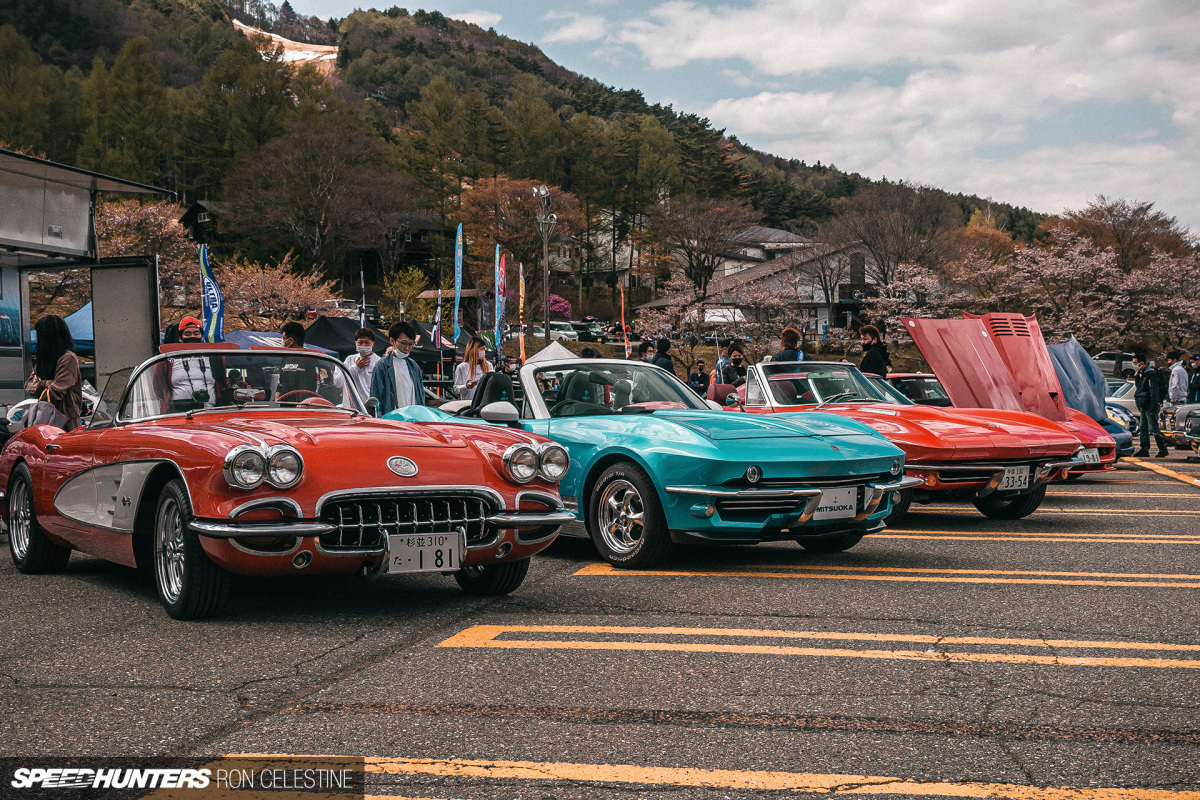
pixel 484 636
pixel 751 780
pixel 1184 495
pixel 1097 539
pixel 938 571
pixel 1090 512
pixel 1190 480
pixel 800 573
pixel 1078 534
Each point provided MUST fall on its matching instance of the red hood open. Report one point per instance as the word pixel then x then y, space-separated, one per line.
pixel 993 361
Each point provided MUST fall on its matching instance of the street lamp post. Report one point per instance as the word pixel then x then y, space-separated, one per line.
pixel 545 225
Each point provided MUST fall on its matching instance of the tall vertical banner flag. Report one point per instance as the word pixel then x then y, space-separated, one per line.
pixel 624 330
pixel 521 305
pixel 501 292
pixel 458 255
pixel 212 300
pixel 362 309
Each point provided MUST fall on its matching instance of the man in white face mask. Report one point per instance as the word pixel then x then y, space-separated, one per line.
pixel 396 381
pixel 360 364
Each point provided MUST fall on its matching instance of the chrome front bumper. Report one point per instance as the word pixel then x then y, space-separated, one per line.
pixel 811 497
pixel 240 530
pixel 1041 473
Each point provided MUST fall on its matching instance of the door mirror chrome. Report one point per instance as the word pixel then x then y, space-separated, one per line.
pixel 734 399
pixel 501 412
pixel 373 406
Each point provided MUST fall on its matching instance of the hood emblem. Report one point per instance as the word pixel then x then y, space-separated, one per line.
pixel 993 426
pixel 834 447
pixel 402 466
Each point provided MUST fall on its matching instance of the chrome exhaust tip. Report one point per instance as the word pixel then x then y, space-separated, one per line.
pixel 504 549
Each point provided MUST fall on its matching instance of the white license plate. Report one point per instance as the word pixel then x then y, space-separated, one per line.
pixel 1015 478
pixel 838 504
pixel 426 552
pixel 1091 455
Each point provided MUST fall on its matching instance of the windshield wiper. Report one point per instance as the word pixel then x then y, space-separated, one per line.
pixel 834 397
pixel 636 410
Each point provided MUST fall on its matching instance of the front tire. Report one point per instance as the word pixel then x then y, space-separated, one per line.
pixel 32 553
pixel 1011 508
pixel 493 579
pixel 626 520
pixel 189 585
pixel 833 543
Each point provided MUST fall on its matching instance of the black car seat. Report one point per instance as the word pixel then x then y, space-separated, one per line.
pixel 494 387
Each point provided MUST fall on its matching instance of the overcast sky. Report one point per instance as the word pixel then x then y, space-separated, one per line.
pixel 1041 103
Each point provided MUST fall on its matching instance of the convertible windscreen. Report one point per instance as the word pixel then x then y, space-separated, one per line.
pixel 583 389
pixel 800 385
pixel 199 380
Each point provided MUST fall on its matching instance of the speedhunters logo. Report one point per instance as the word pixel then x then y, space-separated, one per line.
pixel 71 778
pixel 222 776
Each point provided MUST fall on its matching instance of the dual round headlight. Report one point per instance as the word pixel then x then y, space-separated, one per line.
pixel 524 462
pixel 247 467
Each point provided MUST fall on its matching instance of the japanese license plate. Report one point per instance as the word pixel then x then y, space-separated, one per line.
pixel 426 552
pixel 1091 455
pixel 1014 478
pixel 838 504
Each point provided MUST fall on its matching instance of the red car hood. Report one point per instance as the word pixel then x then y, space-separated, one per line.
pixel 997 361
pixel 330 430
pixel 929 434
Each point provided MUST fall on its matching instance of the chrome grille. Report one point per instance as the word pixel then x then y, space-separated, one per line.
pixel 361 523
pixel 754 508
pixel 819 483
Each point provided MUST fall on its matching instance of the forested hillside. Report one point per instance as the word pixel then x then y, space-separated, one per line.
pixel 421 108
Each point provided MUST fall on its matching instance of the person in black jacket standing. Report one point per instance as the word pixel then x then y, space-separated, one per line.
pixel 1148 395
pixel 789 342
pixel 875 355
pixel 662 357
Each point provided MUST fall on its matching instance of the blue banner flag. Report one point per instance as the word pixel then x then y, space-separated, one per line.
pixel 458 258
pixel 499 297
pixel 212 300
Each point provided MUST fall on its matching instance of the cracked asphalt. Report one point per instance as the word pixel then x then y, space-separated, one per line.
pixel 1062 650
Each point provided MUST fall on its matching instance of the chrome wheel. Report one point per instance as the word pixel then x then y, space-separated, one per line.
pixel 621 517
pixel 169 550
pixel 20 519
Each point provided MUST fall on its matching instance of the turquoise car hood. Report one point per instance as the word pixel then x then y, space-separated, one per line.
pixel 724 426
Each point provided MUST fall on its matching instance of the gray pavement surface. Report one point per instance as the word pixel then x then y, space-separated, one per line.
pixel 948 655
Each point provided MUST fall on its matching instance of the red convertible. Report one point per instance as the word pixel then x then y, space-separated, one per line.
pixel 206 462
pixel 1001 460
pixel 1000 361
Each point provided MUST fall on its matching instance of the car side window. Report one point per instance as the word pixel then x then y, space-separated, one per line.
pixel 110 398
pixel 754 395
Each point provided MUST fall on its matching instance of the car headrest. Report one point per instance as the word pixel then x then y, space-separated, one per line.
pixel 494 387
pixel 717 392
pixel 784 389
pixel 579 387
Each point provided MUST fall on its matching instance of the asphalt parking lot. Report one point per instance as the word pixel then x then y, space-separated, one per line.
pixel 957 656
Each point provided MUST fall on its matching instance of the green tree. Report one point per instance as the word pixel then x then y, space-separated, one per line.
pixel 535 132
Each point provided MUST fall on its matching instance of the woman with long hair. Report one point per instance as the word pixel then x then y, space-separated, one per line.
pixel 472 368
pixel 56 369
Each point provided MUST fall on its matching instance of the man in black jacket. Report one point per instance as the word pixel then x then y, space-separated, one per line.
pixel 789 341
pixel 662 357
pixel 875 355
pixel 1148 395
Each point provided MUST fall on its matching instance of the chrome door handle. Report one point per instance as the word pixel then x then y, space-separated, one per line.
pixel 51 447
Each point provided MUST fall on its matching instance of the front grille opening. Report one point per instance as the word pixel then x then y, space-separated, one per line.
pixel 363 523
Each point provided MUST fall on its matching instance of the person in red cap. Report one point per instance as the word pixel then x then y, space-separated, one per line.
pixel 189 382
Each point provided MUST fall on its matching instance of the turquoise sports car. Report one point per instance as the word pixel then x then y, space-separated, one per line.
pixel 653 465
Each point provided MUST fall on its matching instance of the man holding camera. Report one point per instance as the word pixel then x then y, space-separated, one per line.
pixel 193 380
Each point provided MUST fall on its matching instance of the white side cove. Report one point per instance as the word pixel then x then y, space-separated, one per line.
pixel 106 496
pixel 293 52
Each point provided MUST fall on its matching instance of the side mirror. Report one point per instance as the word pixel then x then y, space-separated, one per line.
pixel 501 412
pixel 373 406
pixel 732 399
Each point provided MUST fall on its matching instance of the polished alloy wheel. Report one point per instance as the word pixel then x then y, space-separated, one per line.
pixel 20 518
pixel 169 550
pixel 622 517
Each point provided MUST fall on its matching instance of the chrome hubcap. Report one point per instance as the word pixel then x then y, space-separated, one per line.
pixel 20 519
pixel 169 550
pixel 621 517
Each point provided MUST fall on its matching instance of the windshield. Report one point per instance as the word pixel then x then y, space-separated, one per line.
pixel 802 384
pixel 892 394
pixel 925 390
pixel 197 380
pixel 585 388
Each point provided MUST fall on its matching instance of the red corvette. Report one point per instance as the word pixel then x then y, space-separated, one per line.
pixel 1000 361
pixel 1002 460
pixel 265 462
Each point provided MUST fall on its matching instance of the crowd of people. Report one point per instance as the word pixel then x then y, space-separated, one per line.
pixel 395 379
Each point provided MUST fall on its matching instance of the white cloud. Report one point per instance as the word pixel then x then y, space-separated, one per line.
pixel 928 90
pixel 484 19
pixel 577 28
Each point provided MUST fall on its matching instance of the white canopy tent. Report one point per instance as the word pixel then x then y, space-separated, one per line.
pixel 554 352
